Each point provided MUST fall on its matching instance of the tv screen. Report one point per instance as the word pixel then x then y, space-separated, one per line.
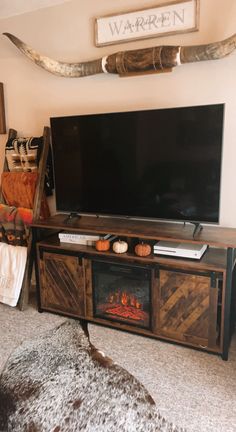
pixel 160 163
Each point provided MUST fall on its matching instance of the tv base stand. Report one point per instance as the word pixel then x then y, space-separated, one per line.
pixel 180 300
pixel 197 228
pixel 71 217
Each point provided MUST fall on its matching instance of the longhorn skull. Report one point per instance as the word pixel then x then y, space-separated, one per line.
pixel 155 59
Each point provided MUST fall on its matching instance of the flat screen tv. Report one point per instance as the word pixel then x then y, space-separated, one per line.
pixel 156 164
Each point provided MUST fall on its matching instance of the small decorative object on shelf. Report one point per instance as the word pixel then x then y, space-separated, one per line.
pixel 143 249
pixel 102 245
pixel 120 246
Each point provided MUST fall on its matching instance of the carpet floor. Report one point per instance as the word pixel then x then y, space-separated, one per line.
pixel 192 389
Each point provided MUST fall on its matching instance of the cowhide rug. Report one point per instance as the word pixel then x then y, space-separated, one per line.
pixel 59 382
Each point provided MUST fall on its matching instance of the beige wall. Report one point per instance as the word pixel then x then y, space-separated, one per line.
pixel 66 32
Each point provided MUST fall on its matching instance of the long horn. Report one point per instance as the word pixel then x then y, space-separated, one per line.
pixel 212 51
pixel 156 59
pixel 73 70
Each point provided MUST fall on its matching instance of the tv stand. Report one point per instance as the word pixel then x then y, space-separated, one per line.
pixel 197 228
pixel 71 217
pixel 190 302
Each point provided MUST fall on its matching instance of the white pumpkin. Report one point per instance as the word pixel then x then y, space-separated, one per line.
pixel 120 246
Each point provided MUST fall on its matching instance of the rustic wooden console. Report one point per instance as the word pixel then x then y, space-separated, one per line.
pixel 192 301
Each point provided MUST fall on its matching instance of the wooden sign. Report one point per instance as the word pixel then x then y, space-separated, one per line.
pixel 175 17
pixel 2 111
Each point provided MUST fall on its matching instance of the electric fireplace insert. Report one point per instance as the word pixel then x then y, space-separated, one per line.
pixel 122 293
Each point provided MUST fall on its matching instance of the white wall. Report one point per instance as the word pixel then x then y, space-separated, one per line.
pixel 66 32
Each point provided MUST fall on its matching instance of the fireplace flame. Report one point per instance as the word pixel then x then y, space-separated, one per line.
pixel 124 299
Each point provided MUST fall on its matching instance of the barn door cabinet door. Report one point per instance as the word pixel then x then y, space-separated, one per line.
pixel 62 283
pixel 188 307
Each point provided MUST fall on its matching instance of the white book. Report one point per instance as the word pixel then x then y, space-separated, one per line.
pixel 78 241
pixel 92 237
pixel 71 236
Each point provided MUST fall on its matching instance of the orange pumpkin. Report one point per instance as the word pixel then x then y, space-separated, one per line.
pixel 143 249
pixel 102 245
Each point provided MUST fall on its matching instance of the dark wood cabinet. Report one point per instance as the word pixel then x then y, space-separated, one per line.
pixel 62 283
pixel 189 302
pixel 188 309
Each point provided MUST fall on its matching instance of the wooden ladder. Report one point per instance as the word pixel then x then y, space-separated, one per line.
pixel 24 296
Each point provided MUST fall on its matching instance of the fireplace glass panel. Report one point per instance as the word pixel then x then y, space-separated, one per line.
pixel 122 293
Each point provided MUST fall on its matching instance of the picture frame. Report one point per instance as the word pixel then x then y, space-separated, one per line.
pixel 2 111
pixel 178 16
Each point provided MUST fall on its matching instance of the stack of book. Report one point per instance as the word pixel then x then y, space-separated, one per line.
pixel 82 239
